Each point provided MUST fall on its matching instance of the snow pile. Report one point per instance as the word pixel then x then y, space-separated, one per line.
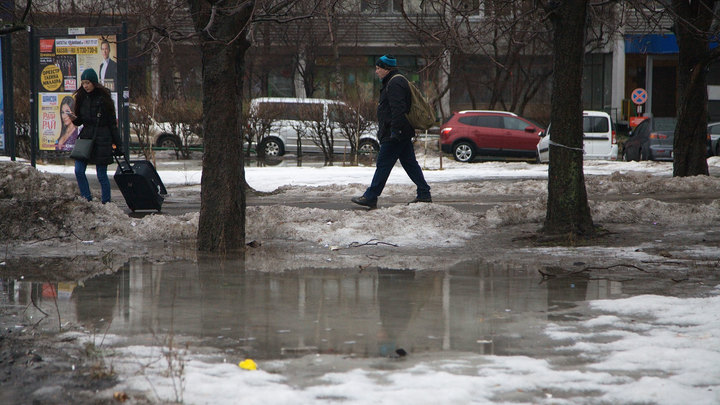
pixel 23 182
pixel 47 206
pixel 532 211
pixel 645 183
pixel 652 211
pixel 419 225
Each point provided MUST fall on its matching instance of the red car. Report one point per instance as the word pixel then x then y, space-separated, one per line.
pixel 489 134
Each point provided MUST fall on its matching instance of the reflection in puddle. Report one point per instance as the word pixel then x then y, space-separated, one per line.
pixel 473 307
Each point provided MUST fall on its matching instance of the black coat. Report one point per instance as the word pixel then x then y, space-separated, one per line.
pixel 394 103
pixel 110 72
pixel 97 116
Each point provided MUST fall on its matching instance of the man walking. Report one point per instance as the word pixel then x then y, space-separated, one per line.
pixel 395 134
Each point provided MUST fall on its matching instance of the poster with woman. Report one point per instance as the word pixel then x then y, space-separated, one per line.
pixel 68 131
pixel 56 130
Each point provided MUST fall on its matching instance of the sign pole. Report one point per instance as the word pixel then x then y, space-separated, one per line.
pixel 123 85
pixel 8 103
pixel 33 98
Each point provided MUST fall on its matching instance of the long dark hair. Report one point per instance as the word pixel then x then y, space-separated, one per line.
pixel 80 96
pixel 67 100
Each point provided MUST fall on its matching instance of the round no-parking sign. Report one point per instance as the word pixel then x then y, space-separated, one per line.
pixel 639 96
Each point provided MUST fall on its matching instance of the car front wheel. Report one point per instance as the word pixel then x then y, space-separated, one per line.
pixel 271 147
pixel 464 152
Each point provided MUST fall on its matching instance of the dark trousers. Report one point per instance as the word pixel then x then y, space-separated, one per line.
pixel 389 153
pixel 84 185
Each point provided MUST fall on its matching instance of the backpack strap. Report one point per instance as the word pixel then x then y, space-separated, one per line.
pixel 398 75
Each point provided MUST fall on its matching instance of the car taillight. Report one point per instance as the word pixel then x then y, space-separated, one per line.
pixel 614 139
pixel 445 131
pixel 656 135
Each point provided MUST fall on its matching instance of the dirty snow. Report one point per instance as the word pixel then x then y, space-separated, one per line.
pixel 52 212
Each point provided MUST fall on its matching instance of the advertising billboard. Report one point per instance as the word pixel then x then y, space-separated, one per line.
pixel 62 60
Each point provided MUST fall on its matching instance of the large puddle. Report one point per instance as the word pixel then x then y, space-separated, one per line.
pixel 472 307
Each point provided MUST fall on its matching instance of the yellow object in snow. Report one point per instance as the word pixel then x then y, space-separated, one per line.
pixel 247 364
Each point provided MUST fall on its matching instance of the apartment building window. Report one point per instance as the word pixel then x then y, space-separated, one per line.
pixel 493 8
pixel 596 80
pixel 380 6
pixel 428 7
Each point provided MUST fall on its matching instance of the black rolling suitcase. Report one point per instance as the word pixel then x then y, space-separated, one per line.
pixel 140 184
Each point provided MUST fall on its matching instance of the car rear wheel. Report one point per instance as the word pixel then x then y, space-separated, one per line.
pixel 464 151
pixel 368 147
pixel 271 147
pixel 169 142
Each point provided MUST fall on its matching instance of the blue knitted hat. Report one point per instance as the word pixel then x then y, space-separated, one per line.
pixel 387 62
pixel 89 74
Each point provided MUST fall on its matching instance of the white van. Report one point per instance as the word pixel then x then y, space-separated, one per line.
pixel 598 138
pixel 285 118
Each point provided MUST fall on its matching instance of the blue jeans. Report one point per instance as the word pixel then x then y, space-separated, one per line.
pixel 389 153
pixel 83 184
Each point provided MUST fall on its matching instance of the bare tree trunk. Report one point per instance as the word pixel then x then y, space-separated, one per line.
pixel 331 27
pixel 221 226
pixel 155 75
pixel 176 76
pixel 568 211
pixel 690 142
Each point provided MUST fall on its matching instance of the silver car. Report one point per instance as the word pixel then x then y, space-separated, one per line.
pixel 282 121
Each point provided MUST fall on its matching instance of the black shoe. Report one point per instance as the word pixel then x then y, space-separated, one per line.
pixel 421 200
pixel 364 201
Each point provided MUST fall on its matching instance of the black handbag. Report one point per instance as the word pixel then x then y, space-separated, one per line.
pixel 83 149
pixel 84 146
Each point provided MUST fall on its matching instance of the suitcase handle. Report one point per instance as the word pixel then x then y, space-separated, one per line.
pixel 127 168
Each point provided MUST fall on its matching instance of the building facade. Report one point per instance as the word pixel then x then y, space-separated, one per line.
pixel 322 59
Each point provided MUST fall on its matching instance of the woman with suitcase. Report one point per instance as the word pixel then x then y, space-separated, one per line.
pixel 95 111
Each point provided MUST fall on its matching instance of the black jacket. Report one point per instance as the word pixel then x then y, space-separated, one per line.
pixel 394 103
pixel 97 116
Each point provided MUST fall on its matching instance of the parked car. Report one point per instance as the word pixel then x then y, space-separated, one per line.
pixel 491 134
pixel 652 139
pixel 599 141
pixel 714 131
pixel 285 118
pixel 161 133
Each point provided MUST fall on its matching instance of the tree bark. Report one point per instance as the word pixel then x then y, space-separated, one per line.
pixel 567 206
pixel 692 26
pixel 221 226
